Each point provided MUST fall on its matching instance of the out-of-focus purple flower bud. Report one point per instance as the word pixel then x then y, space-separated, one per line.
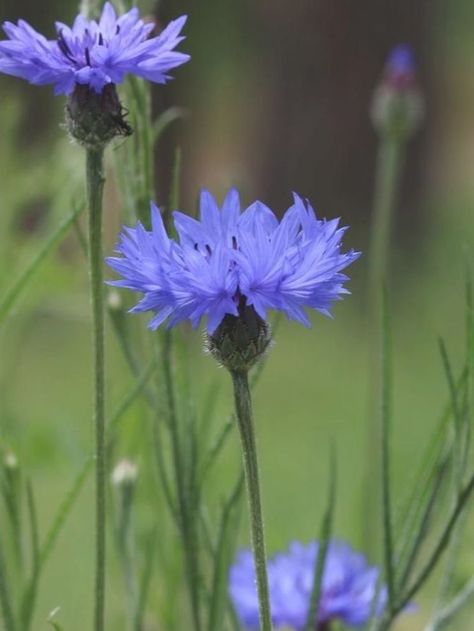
pixel 397 107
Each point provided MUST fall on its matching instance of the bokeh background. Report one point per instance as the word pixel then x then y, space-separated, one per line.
pixel 277 98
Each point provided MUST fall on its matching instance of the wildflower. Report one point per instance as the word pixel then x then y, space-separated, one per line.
pixel 125 473
pixel 348 590
pixel 94 54
pixel 400 68
pixel 397 106
pixel 233 264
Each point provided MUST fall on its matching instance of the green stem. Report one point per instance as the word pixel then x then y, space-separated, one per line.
pixel 95 187
pixel 387 181
pixel 187 527
pixel 243 407
pixel 6 607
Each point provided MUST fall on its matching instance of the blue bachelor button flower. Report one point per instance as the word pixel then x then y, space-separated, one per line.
pixel 400 68
pixel 91 53
pixel 230 260
pixel 348 591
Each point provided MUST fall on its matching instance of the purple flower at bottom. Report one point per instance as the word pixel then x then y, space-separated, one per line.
pixel 400 68
pixel 348 591
pixel 229 260
pixel 92 53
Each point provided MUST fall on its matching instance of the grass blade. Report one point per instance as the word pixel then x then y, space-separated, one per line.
pixel 386 415
pixel 448 613
pixel 168 117
pixel 420 535
pixel 5 600
pixel 15 291
pixel 29 598
pixel 325 536
pixel 222 558
pixel 146 580
pixel 443 542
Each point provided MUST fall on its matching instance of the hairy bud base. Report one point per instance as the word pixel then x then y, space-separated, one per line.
pixel 95 119
pixel 240 341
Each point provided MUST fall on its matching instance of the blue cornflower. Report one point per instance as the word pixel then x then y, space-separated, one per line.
pixel 92 53
pixel 400 68
pixel 230 260
pixel 348 590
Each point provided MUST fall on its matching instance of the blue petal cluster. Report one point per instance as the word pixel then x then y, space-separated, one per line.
pixel 92 53
pixel 229 256
pixel 348 590
pixel 400 68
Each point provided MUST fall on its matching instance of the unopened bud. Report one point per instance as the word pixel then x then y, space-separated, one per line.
pixel 240 341
pixel 124 474
pixel 10 461
pixel 397 106
pixel 114 300
pixel 95 119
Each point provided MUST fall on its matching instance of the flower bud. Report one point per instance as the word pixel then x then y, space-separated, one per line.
pixel 95 119
pixel 240 341
pixel 10 461
pixel 397 107
pixel 124 474
pixel 114 301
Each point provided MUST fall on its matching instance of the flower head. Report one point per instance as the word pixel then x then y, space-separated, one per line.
pixel 231 260
pixel 397 106
pixel 400 68
pixel 92 53
pixel 349 587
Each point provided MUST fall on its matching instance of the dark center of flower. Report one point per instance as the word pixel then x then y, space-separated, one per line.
pixel 323 626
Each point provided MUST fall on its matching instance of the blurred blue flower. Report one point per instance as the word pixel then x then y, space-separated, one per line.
pixel 228 259
pixel 92 53
pixel 348 590
pixel 400 68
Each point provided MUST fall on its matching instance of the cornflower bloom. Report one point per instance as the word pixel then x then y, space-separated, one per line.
pixel 348 593
pixel 95 54
pixel 232 267
pixel 231 262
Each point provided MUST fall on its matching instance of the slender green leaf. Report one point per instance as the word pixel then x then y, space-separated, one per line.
pixel 51 620
pixel 33 519
pixel 164 121
pixel 386 416
pixel 29 596
pixel 457 418
pixel 440 547
pixel 5 598
pixel 12 295
pixel 448 613
pixel 145 582
pixel 222 559
pixel 216 448
pixel 324 540
pixel 175 180
pixel 411 511
pixel 419 536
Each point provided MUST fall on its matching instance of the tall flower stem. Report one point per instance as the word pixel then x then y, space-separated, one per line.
pixel 387 182
pixel 95 187
pixel 390 161
pixel 243 406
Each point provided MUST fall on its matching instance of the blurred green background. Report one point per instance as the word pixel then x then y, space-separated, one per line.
pixel 277 96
